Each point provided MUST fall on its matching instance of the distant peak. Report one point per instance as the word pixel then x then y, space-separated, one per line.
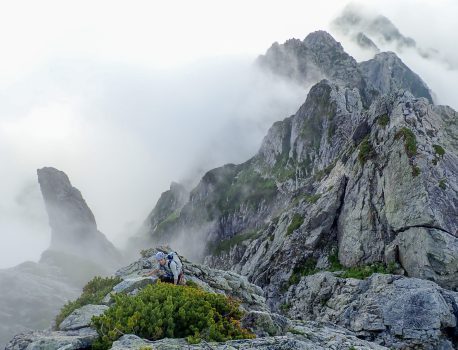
pixel 321 38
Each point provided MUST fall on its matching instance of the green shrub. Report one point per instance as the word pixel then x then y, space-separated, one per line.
pixel 415 171
pixel 410 141
pixel 307 267
pixel 313 198
pixel 383 120
pixel 285 307
pixel 439 150
pixel 365 151
pixel 93 293
pixel 165 310
pixel 442 184
pixel 362 272
pixel 216 248
pixel 296 222
pixel 334 262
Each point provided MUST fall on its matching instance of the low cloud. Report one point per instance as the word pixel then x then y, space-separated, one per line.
pixel 122 135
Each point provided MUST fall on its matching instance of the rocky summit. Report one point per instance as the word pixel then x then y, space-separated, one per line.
pixel 340 233
pixel 73 226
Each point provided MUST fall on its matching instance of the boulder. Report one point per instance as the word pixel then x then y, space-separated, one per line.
pixel 81 318
pixel 47 340
pixel 392 310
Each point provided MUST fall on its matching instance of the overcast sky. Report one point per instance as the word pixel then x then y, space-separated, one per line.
pixel 126 97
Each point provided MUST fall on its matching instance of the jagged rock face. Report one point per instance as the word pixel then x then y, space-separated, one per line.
pixel 363 182
pixel 383 74
pixel 391 310
pixel 165 212
pixel 317 56
pixel 386 72
pixel 73 226
pixel 353 21
pixel 401 190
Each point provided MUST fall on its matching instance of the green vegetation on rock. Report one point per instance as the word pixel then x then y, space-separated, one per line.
pixel 383 120
pixel 93 293
pixel 307 267
pixel 362 272
pixel 442 184
pixel 296 222
pixel 249 188
pixel 167 224
pixel 334 263
pixel 439 150
pixel 225 245
pixel 410 141
pixel 320 174
pixel 165 310
pixel 365 151
pixel 415 171
pixel 285 307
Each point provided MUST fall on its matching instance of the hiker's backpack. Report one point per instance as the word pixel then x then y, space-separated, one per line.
pixel 173 256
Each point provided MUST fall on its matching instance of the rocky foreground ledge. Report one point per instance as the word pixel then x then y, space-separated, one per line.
pixel 273 330
pixel 323 311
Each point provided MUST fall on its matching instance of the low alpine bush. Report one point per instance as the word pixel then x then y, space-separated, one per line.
pixel 164 310
pixel 93 293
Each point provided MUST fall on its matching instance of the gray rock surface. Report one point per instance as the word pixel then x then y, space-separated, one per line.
pixel 391 310
pixel 303 336
pixel 81 318
pixel 130 284
pixel 47 340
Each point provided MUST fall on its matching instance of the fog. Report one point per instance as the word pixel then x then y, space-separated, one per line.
pixel 128 98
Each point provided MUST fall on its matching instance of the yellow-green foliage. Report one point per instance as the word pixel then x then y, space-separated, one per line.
pixel 410 141
pixel 93 293
pixel 165 310
pixel 365 151
pixel 439 150
pixel 383 120
pixel 442 184
pixel 362 272
pixel 296 222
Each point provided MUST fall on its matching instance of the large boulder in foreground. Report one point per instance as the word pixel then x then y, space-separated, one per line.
pixel 302 336
pixel 392 310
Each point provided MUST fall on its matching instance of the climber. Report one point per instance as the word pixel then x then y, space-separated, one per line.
pixel 169 269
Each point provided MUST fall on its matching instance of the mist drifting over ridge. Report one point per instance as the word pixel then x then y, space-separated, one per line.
pixel 123 132
pixel 164 127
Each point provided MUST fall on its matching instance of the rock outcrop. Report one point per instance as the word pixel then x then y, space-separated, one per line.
pixel 73 226
pixel 391 310
pixel 32 293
